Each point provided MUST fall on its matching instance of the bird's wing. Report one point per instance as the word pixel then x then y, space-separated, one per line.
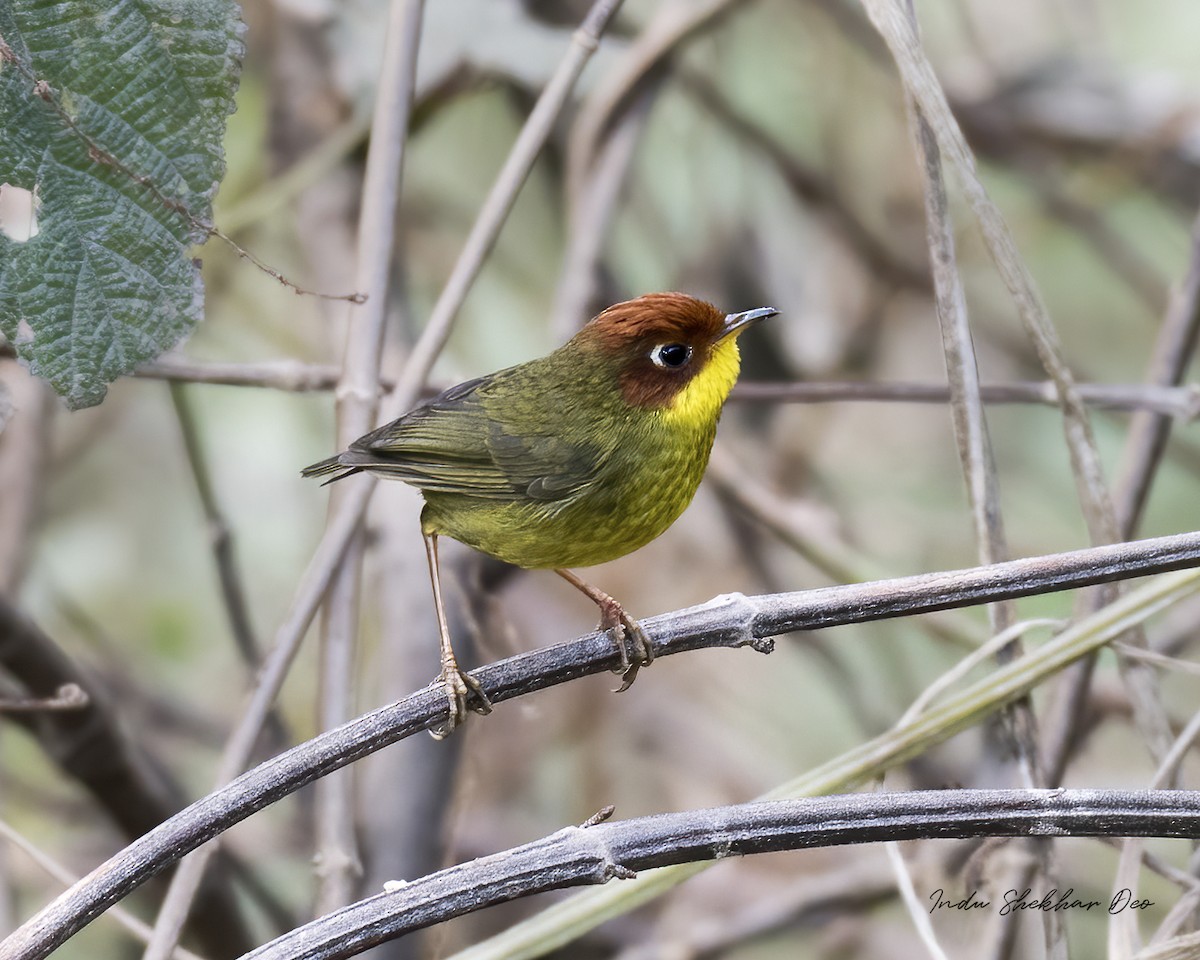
pixel 470 440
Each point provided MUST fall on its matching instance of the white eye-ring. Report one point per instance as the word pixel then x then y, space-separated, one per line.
pixel 670 356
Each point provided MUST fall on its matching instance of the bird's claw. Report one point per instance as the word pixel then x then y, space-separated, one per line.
pixel 632 644
pixel 458 685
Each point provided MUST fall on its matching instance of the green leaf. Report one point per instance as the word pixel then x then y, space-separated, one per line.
pixel 112 114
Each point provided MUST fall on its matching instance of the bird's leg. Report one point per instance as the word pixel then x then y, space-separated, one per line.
pixel 457 684
pixel 627 634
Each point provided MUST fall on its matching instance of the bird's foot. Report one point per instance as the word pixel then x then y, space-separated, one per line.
pixel 629 638
pixel 458 685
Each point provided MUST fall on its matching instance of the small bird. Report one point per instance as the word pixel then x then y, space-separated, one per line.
pixel 570 460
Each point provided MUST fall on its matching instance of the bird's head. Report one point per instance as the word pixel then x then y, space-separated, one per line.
pixel 673 353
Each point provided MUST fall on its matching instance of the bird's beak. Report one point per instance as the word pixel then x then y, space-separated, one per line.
pixel 736 322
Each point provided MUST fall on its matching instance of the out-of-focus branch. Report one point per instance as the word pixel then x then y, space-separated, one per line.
pixel 673 25
pixel 24 434
pixel 598 853
pixel 88 745
pixel 921 83
pixel 590 217
pixel 812 186
pixel 53 868
pixel 962 371
pixel 983 493
pixel 1177 401
pixel 731 621
pixel 1147 437
pixel 1122 931
pixel 1070 108
pixel 1182 402
pixel 338 865
pixel 495 209
pixel 220 537
pixel 1126 262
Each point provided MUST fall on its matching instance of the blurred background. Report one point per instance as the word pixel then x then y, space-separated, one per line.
pixel 761 155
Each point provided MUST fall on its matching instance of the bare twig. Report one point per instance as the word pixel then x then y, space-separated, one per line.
pixel 291 375
pixel 733 620
pixel 1181 402
pixel 674 23
pixel 338 862
pixel 53 868
pixel 979 471
pixel 617 849
pixel 920 82
pixel 89 745
pixel 1147 437
pixel 1122 931
pixel 589 217
pixel 220 537
pixel 1158 659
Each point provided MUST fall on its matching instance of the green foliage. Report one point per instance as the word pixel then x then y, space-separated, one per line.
pixel 113 114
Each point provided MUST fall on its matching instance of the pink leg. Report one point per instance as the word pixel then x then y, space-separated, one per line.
pixel 627 634
pixel 457 684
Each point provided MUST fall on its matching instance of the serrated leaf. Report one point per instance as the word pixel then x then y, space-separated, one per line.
pixel 112 114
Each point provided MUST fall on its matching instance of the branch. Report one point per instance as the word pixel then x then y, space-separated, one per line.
pixel 595 854
pixel 337 858
pixel 731 621
pixel 141 931
pixel 219 535
pixel 298 377
pixel 1147 437
pixel 89 745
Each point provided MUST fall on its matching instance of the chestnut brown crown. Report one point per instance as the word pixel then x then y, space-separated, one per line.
pixel 661 341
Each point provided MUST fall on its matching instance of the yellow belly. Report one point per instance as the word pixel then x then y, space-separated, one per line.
pixel 633 501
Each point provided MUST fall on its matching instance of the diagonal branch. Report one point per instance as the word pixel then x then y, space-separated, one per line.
pixel 357 404
pixel 1147 438
pixel 90 746
pixel 731 621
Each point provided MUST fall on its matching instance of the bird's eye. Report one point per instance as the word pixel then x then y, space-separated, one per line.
pixel 670 355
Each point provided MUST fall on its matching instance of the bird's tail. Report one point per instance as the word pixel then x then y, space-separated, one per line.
pixel 326 467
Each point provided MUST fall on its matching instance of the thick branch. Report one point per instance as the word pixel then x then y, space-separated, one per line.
pixel 598 853
pixel 88 745
pixel 731 621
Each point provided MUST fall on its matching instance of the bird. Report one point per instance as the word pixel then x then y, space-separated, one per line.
pixel 568 460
